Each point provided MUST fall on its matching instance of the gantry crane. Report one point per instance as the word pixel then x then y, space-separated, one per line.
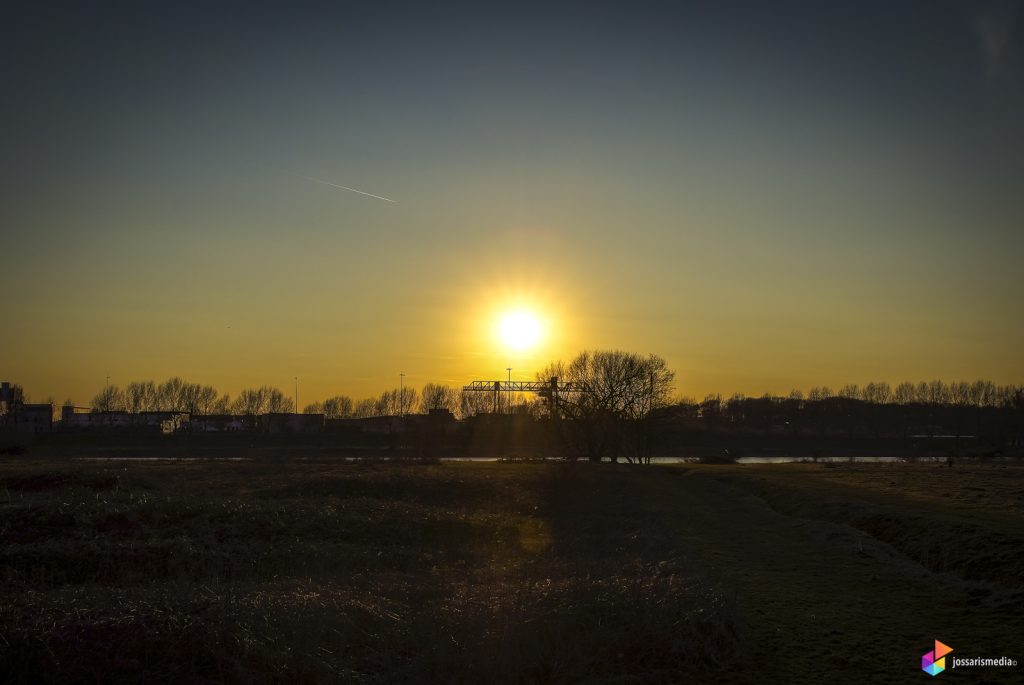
pixel 551 390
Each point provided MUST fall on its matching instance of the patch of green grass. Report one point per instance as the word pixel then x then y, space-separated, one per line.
pixel 959 522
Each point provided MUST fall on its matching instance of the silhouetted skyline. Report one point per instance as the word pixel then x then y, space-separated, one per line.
pixel 768 196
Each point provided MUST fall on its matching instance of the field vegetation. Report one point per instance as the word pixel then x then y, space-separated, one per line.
pixel 505 573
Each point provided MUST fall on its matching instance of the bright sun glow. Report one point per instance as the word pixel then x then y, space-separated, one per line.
pixel 519 330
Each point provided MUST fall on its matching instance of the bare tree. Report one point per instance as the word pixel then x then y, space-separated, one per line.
pixel 338 407
pixel 938 392
pixel 397 401
pixel 877 393
pixel 365 408
pixel 983 393
pixel 140 396
pixel 262 400
pixel 278 402
pixel 387 403
pixel 817 394
pixel 206 400
pixel 190 397
pixel 222 405
pixel 959 393
pixel 1005 395
pixel 110 398
pixel 435 397
pixel 174 394
pixel 169 395
pixel 473 403
pixel 616 393
pixel 250 402
pixel 850 391
pixel 905 393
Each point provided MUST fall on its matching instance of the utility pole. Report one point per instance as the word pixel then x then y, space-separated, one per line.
pixel 509 369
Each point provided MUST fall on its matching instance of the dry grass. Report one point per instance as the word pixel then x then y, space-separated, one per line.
pixel 965 521
pixel 318 573
pixel 504 573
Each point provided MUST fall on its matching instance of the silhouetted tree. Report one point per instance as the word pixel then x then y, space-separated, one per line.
pixel 110 398
pixel 959 393
pixel 617 393
pixel 140 396
pixel 207 401
pixel 817 394
pixel 339 407
pixel 396 401
pixel 434 397
pixel 222 405
pixel 734 410
pixel 905 393
pixel 711 411
pixel 262 400
pixel 850 391
pixel 365 408
pixel 983 394
pixel 170 395
pixel 279 403
pixel 472 403
pixel 174 395
pixel 878 393
pixel 938 392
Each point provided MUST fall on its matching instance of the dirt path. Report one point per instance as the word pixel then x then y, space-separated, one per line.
pixel 826 602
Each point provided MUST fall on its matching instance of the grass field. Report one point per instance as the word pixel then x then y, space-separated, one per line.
pixel 505 573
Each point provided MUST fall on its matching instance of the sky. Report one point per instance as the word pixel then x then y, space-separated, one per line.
pixel 768 195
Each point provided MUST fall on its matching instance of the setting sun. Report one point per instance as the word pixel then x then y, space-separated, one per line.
pixel 519 330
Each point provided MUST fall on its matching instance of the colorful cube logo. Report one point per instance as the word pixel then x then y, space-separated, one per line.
pixel 934 663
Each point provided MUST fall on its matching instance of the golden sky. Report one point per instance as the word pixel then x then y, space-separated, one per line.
pixel 766 207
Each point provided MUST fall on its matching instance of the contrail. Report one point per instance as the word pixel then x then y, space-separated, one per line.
pixel 335 185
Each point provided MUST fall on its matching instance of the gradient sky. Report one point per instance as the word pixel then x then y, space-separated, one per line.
pixel 769 195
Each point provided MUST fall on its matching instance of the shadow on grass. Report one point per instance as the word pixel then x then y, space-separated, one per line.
pixel 454 574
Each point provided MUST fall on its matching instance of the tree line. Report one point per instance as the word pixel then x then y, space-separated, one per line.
pixel 612 389
pixel 406 400
pixel 979 393
pixel 981 409
pixel 177 395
